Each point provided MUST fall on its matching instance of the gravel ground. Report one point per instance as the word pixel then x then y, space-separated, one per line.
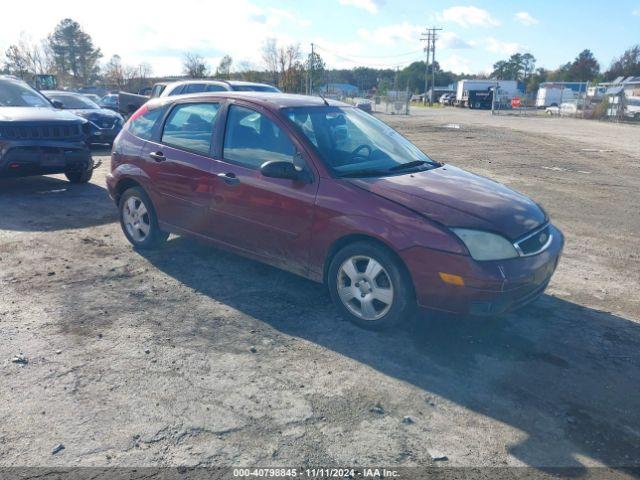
pixel 194 356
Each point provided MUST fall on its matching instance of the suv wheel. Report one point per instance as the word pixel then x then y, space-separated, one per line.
pixel 370 287
pixel 82 174
pixel 139 221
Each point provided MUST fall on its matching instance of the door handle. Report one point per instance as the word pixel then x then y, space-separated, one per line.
pixel 229 178
pixel 158 156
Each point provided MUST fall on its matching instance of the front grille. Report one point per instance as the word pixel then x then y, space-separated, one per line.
pixel 41 132
pixel 106 123
pixel 536 242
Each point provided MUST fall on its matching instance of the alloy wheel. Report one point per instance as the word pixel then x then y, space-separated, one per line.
pixel 365 287
pixel 135 218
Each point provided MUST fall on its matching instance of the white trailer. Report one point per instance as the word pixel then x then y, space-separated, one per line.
pixel 554 94
pixel 507 89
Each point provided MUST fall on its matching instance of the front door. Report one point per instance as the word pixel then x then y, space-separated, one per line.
pixel 182 166
pixel 268 217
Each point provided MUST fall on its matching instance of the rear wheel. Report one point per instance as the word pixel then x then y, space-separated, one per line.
pixel 370 287
pixel 139 221
pixel 82 174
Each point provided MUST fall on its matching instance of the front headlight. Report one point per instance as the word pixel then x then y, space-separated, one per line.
pixel 485 245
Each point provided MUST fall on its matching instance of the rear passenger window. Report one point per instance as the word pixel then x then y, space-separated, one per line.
pixel 176 91
pixel 142 125
pixel 190 126
pixel 216 88
pixel 251 139
pixel 194 88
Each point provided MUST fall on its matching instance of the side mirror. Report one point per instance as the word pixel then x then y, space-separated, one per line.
pixel 57 104
pixel 280 169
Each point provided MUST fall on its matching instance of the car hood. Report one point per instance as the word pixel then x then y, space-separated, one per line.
pixel 95 113
pixel 37 115
pixel 456 198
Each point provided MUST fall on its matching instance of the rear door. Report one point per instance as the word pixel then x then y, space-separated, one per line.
pixel 181 165
pixel 268 217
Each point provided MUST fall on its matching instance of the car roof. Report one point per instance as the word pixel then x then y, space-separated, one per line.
pixel 59 92
pixel 248 84
pixel 271 100
pixel 215 81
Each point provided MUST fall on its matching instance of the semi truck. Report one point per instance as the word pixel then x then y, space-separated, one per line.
pixel 554 94
pixel 506 90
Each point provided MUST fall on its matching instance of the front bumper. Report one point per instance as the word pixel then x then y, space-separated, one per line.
pixel 103 135
pixel 490 288
pixel 19 159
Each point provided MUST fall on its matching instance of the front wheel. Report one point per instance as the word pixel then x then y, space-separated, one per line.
pixel 370 286
pixel 139 221
pixel 82 174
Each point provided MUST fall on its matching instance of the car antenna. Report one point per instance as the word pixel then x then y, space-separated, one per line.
pixel 323 99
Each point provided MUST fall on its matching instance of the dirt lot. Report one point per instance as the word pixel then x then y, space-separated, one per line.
pixel 147 359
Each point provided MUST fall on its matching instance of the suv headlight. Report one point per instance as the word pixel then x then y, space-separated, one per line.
pixel 485 245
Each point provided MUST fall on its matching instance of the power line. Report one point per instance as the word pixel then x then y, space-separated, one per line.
pixel 371 65
pixel 387 56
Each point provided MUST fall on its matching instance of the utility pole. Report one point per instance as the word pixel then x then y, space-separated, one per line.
pixel 429 36
pixel 426 37
pixel 310 72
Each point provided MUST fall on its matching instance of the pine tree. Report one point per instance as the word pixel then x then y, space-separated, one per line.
pixel 74 53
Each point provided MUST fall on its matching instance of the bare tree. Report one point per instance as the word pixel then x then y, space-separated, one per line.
pixel 269 53
pixel 291 68
pixel 224 67
pixel 25 58
pixel 194 65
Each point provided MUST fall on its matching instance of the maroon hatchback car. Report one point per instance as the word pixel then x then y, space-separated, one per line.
pixel 329 192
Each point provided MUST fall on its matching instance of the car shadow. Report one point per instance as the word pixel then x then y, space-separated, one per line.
pixel 49 203
pixel 565 375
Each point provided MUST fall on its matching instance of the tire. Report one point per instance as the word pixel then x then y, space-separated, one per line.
pixel 139 221
pixel 389 293
pixel 81 175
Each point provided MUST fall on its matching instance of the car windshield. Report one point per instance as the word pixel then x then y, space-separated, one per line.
pixel 75 102
pixel 109 100
pixel 355 144
pixel 15 94
pixel 254 88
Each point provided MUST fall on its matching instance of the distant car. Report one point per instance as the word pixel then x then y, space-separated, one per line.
pixel 363 104
pixel 130 102
pixel 198 86
pixel 447 99
pixel 632 109
pixel 552 111
pixel 104 124
pixel 37 139
pixel 92 96
pixel 111 102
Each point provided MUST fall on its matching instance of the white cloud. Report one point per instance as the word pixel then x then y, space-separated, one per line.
pixel 456 64
pixel 452 41
pixel 370 6
pixel 240 33
pixel 636 12
pixel 504 48
pixel 392 34
pixel 525 18
pixel 469 17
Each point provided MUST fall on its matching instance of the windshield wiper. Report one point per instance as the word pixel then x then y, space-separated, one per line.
pixel 364 173
pixel 408 165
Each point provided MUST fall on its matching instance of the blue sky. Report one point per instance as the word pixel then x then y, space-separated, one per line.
pixel 475 34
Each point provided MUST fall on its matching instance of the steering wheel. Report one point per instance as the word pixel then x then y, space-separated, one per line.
pixel 355 154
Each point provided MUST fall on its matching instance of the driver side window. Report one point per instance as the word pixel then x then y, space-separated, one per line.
pixel 251 139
